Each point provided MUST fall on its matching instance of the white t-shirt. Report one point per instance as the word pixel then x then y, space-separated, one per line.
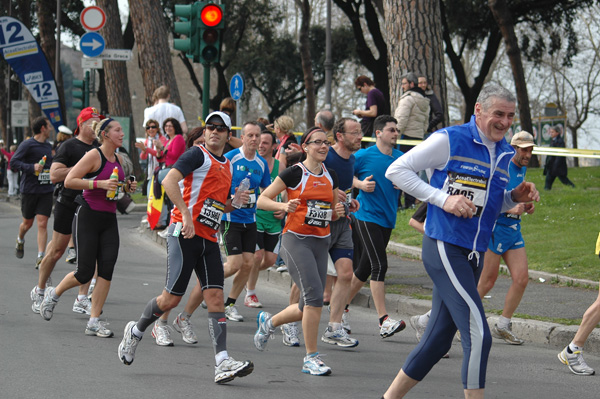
pixel 162 111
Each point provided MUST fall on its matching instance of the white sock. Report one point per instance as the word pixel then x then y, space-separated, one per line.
pixel 136 332
pixel 219 357
pixel 503 322
pixel 20 241
pixel 574 348
pixel 40 254
pixel 93 282
pixel 335 326
pixel 55 297
pixel 40 291
pixel 81 297
pixel 250 292
pixel 92 321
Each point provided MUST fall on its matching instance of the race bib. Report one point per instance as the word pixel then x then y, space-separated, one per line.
pixel 512 216
pixel 349 196
pixel 318 213
pixel 44 177
pixel 472 187
pixel 211 213
pixel 251 200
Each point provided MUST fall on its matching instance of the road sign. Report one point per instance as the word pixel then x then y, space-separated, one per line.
pixel 113 54
pixel 92 18
pixel 92 44
pixel 236 87
pixel 91 63
pixel 19 113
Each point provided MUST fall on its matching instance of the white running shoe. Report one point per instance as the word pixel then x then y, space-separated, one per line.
pixel 71 256
pixel 162 334
pixel 338 337
pixel 263 333
pixel 313 365
pixel 128 345
pixel 84 306
pixel 232 313
pixel 419 329
pixel 575 362
pixel 231 368
pixel 91 290
pixel 99 330
pixel 391 327
pixel 184 327
pixel 290 334
pixel 36 300
pixel 282 268
pixel 48 304
pixel 346 321
pixel 506 334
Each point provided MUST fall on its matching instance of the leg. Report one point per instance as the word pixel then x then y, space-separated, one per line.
pixel 54 252
pixel 310 326
pixel 241 277
pixel 99 296
pixel 549 181
pixel 24 227
pixel 590 320
pixel 256 267
pixel 566 181
pixel 516 260
pixel 400 386
pixel 42 236
pixel 489 274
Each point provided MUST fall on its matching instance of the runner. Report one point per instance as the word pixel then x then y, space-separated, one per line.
pixel 312 204
pixel 199 186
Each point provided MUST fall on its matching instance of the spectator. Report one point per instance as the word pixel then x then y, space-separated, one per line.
pixel 556 166
pixel 163 109
pixel 13 176
pixel 376 104
pixel 436 113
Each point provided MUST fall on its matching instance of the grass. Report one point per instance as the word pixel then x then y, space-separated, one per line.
pixel 138 198
pixel 560 236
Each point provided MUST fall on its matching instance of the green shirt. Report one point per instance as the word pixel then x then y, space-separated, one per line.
pixel 265 221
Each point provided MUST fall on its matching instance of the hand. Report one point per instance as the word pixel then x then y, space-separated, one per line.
pixel 525 192
pixel 368 186
pixel 245 196
pixel 460 206
pixel 529 207
pixel 37 167
pixel 187 230
pixel 356 112
pixel 141 146
pixel 269 127
pixel 291 205
pixel 517 210
pixel 132 186
pixel 341 196
pixel 293 148
pixel 108 185
pixel 340 210
pixel 158 144
pixel 354 206
pixel 279 215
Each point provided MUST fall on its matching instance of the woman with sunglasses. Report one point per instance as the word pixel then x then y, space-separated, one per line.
pixel 312 204
pixel 152 148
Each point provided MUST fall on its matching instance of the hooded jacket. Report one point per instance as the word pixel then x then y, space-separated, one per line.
pixel 412 114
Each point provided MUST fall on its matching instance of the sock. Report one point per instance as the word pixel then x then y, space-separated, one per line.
pixel 250 292
pixel 572 348
pixel 184 315
pixel 325 304
pixel 503 322
pixel 219 357
pixel 55 297
pixel 162 322
pixel 93 282
pixel 230 301
pixel 217 327
pixel 424 318
pixel 150 314
pixel 40 254
pixel 92 321
pixel 19 240
pixel 270 324
pixel 136 332
pixel 40 291
pixel 347 306
pixel 81 297
pixel 335 326
pixel 382 319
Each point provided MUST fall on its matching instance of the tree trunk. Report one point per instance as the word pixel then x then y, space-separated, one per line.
pixel 115 73
pixel 503 18
pixel 309 79
pixel 414 42
pixel 154 52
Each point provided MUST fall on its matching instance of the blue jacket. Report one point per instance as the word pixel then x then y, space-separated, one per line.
pixel 469 172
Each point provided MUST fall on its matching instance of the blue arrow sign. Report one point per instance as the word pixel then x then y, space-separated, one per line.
pixel 92 44
pixel 236 87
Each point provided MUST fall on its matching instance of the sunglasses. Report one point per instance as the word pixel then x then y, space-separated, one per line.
pixel 218 128
pixel 151 127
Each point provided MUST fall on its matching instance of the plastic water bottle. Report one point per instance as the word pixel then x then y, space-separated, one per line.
pixel 113 176
pixel 42 163
pixel 244 185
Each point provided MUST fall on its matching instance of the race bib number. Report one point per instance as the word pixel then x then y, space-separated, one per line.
pixel 349 196
pixel 318 213
pixel 472 187
pixel 44 177
pixel 251 200
pixel 211 213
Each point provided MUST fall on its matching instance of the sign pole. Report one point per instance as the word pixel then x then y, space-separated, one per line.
pixel 206 91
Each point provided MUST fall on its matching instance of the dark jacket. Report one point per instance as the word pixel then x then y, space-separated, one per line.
pixel 556 166
pixel 436 113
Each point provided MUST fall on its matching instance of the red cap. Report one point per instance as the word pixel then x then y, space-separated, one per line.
pixel 85 115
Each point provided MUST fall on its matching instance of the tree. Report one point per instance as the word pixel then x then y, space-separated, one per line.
pixel 414 43
pixel 309 80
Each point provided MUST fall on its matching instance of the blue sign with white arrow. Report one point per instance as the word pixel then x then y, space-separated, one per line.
pixel 236 87
pixel 92 44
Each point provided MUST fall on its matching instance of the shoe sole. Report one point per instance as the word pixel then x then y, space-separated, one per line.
pixel 294 345
pixel 306 371
pixel 80 311
pixel 341 345
pixel 93 333
pixel 254 306
pixel 401 327
pixel 240 373
pixel 234 319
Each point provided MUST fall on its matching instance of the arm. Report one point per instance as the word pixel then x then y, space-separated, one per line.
pixel 437 115
pixel 402 112
pixel 266 202
pixel 367 185
pixel 16 161
pixel 58 172
pixel 90 162
pixel 171 186
pixel 235 142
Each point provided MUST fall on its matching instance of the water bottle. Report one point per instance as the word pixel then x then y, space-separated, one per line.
pixel 244 185
pixel 42 162
pixel 113 176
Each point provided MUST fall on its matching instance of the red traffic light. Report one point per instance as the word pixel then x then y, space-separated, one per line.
pixel 211 15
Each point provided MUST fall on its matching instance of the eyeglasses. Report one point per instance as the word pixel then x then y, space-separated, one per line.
pixel 353 133
pixel 218 128
pixel 319 142
pixel 151 127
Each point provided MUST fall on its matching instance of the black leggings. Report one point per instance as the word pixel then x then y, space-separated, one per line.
pixel 373 240
pixel 97 241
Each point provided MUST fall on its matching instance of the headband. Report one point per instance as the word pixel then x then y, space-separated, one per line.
pixel 105 123
pixel 310 134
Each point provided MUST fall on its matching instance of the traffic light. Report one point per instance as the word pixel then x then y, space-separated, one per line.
pixel 210 25
pixel 188 27
pixel 83 92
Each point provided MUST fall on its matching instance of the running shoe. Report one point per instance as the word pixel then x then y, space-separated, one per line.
pixel 38 261
pixel 71 256
pixel 162 335
pixel 36 300
pixel 128 345
pixel 313 365
pixel 48 304
pixel 20 250
pixel 252 301
pixel 346 321
pixel 184 327
pixel 338 337
pixel 204 305
pixel 419 329
pixel 83 306
pixel 506 334
pixel 282 268
pixel 290 334
pixel 49 282
pixel 232 313
pixel 231 368
pixel 391 327
pixel 263 333
pixel 575 362
pixel 99 330
pixel 91 290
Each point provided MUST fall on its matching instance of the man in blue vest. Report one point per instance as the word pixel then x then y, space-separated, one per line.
pixel 467 191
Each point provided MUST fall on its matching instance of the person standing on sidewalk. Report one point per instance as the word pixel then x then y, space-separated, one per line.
pixel 507 243
pixel 466 193
pixel 556 166
pixel 198 184
pixel 572 355
pixel 36 187
pixel 376 218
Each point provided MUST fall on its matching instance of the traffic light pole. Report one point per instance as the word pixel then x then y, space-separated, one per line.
pixel 86 90
pixel 206 91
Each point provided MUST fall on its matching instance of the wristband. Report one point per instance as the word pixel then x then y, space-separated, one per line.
pixel 95 184
pixel 90 184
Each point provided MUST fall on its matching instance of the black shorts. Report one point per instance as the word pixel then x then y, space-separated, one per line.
pixel 238 237
pixel 63 217
pixel 267 241
pixel 36 204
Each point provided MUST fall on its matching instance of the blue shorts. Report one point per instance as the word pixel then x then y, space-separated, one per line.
pixel 505 238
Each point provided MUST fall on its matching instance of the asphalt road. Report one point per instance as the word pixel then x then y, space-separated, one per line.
pixel 56 360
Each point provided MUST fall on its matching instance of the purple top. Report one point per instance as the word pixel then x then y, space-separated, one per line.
pixel 96 198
